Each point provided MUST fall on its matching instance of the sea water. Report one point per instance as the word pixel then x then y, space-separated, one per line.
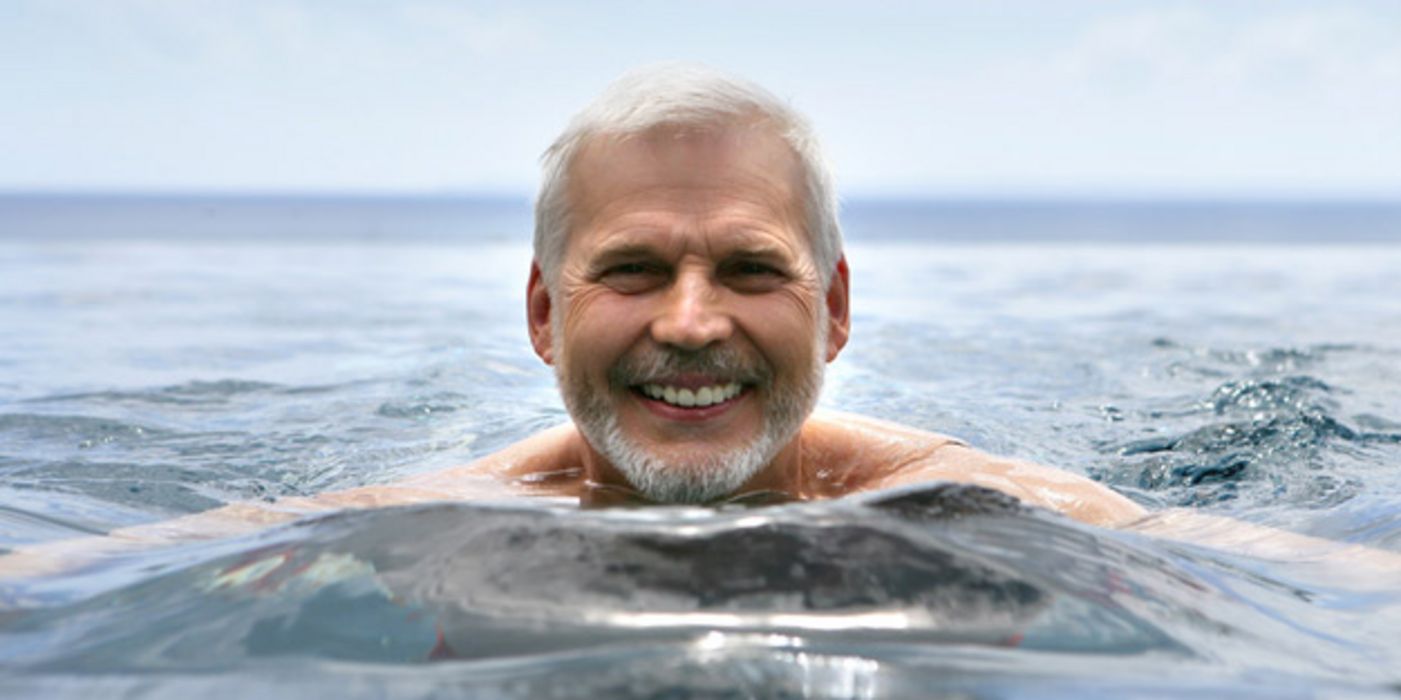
pixel 162 356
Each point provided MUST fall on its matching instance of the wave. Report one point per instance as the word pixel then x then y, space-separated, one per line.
pixel 1276 434
pixel 896 583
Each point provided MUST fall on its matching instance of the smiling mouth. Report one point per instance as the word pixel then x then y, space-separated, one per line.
pixel 688 397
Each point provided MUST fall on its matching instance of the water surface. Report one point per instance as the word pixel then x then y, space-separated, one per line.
pixel 147 375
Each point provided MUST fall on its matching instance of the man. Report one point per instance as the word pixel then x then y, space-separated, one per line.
pixel 689 288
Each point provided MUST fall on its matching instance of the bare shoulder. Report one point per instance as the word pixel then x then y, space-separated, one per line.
pixel 845 452
pixel 866 453
pixel 1064 492
pixel 856 426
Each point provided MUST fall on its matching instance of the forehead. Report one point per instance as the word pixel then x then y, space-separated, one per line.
pixel 689 171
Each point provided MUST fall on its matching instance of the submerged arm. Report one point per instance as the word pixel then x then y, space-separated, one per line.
pixel 485 478
pixel 1383 567
pixel 1093 503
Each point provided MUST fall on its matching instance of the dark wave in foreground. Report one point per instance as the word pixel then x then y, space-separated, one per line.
pixel 941 588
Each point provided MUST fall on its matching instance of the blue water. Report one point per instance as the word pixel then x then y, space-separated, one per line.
pixel 165 355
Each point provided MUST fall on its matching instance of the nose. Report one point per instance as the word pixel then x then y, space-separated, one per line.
pixel 691 315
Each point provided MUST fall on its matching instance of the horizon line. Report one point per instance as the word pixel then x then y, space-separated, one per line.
pixel 1047 196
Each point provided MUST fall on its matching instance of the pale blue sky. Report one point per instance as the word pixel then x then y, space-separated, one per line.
pixel 987 98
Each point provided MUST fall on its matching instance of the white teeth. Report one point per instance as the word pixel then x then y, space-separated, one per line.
pixel 688 398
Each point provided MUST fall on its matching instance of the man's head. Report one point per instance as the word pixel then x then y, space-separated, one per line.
pixel 689 285
pixel 683 95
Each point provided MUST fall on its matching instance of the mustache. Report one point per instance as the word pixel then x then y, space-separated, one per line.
pixel 650 364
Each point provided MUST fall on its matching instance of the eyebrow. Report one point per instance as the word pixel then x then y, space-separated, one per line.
pixel 761 251
pixel 643 243
pixel 608 255
pixel 622 251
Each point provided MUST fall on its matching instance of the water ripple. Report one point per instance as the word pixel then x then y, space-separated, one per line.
pixel 898 578
pixel 1277 434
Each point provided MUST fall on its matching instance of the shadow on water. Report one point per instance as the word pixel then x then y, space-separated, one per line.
pixel 943 588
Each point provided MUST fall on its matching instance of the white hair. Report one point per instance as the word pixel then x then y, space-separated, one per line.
pixel 683 95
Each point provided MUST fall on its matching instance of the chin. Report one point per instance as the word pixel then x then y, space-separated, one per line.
pixel 686 478
pixel 703 473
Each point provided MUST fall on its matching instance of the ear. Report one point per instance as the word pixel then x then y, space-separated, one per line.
pixel 838 310
pixel 538 307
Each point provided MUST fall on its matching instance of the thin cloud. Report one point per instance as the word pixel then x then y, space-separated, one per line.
pixel 913 97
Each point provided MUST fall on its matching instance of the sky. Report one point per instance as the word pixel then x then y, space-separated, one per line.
pixel 996 98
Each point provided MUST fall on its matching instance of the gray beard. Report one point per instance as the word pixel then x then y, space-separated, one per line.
pixel 700 478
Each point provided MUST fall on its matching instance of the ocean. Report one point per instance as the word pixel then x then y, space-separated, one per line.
pixel 163 355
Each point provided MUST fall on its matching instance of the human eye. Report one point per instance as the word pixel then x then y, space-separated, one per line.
pixel 751 275
pixel 631 277
pixel 751 267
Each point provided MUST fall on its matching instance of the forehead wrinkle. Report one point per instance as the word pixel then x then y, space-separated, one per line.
pixel 653 204
pixel 733 238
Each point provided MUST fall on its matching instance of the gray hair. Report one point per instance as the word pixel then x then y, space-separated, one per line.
pixel 683 95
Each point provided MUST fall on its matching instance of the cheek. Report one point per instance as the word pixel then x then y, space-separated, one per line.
pixel 599 327
pixel 783 328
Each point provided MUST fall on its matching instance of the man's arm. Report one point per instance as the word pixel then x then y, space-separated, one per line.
pixel 1085 500
pixel 495 476
pixel 1378 568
